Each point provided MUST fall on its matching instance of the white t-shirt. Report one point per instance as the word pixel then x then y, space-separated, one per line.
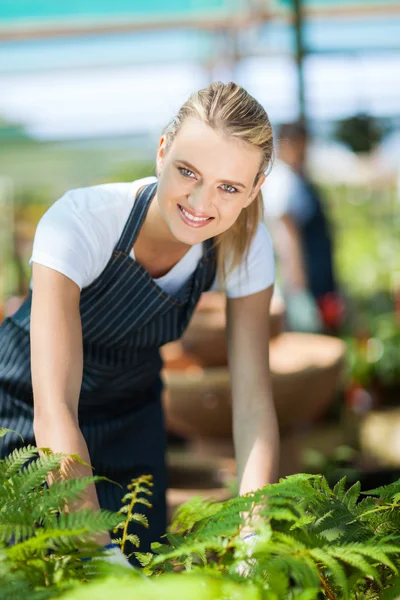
pixel 78 233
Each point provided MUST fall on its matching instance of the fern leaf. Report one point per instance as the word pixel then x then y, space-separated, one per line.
pixel 15 531
pixel 4 431
pixel 134 539
pixel 356 560
pixel 339 577
pixel 124 510
pixel 65 491
pixel 144 558
pixel 352 495
pixel 339 488
pixel 386 492
pixel 96 522
pixel 139 518
pixel 158 548
pixel 379 553
pixel 392 592
pixel 35 474
pixel 14 461
pixel 144 501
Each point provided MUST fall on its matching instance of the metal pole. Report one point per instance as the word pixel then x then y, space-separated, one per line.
pixel 300 53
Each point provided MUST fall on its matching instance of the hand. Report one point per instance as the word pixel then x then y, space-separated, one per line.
pixel 244 567
pixel 113 555
pixel 302 312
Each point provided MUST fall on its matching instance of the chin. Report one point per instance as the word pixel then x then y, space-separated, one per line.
pixel 190 237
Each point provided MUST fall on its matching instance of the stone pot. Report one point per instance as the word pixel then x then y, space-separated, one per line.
pixel 305 372
pixel 379 436
pixel 205 335
pixel 190 476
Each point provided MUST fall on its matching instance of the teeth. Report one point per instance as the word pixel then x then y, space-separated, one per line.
pixel 191 217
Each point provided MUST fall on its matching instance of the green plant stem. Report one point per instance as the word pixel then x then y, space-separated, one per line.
pixel 136 484
pixel 327 588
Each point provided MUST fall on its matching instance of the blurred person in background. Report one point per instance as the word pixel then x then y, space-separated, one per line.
pixel 293 208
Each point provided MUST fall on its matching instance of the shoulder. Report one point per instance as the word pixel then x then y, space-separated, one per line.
pixel 96 198
pixel 87 222
pixel 256 272
pixel 95 209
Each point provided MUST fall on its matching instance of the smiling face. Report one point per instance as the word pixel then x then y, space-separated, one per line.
pixel 205 179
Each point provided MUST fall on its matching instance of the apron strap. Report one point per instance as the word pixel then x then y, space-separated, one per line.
pixel 136 218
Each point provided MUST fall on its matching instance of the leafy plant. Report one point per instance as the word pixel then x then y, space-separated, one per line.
pixel 360 132
pixel 40 541
pixel 313 540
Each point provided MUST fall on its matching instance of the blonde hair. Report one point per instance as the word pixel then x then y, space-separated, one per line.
pixel 228 108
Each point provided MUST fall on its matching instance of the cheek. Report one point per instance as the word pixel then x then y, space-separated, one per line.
pixel 230 209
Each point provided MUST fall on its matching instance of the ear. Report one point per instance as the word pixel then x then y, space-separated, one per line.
pixel 255 190
pixel 161 152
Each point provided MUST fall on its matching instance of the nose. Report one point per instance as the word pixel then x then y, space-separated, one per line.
pixel 200 200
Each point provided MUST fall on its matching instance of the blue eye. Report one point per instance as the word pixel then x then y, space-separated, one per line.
pixel 186 172
pixel 230 190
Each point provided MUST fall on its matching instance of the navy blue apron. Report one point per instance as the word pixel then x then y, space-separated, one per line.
pixel 126 316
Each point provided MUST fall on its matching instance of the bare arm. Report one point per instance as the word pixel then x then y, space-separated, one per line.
pixel 57 363
pixel 255 425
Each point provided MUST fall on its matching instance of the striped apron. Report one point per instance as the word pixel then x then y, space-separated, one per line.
pixel 126 317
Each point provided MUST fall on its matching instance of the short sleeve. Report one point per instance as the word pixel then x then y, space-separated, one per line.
pixel 63 241
pixel 258 272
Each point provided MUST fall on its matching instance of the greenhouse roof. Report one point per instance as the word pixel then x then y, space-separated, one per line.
pixel 17 12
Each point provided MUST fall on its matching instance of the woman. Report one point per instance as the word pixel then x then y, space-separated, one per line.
pixel 117 271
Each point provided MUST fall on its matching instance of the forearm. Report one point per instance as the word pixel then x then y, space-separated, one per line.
pixel 61 433
pixel 256 439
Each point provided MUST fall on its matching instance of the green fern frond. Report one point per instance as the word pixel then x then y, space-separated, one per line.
pixel 4 431
pixel 17 531
pixel 392 591
pixel 93 522
pixel 144 501
pixel 355 559
pixel 193 511
pixel 352 495
pixel 158 548
pixel 379 552
pixel 338 576
pixel 386 492
pixel 65 491
pixel 123 510
pixel 339 489
pixel 144 558
pixel 35 473
pixel 14 461
pixel 227 526
pixel 139 518
pixel 134 539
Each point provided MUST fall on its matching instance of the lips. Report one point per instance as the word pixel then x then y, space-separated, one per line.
pixel 191 219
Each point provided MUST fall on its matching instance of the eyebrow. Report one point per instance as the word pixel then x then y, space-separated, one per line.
pixel 192 168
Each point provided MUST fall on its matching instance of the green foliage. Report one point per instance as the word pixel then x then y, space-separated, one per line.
pixel 313 541
pixel 360 132
pixel 41 542
pixel 375 357
pixel 138 490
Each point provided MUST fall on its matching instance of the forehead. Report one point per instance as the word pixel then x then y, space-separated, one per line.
pixel 216 153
